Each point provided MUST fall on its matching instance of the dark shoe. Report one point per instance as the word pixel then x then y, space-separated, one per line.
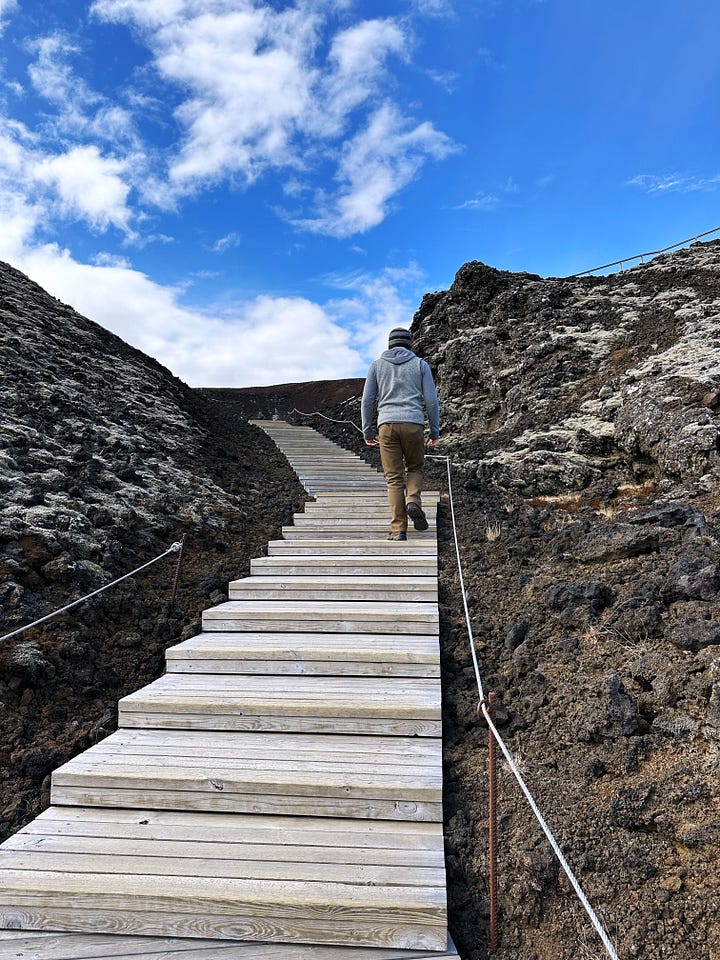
pixel 397 536
pixel 417 516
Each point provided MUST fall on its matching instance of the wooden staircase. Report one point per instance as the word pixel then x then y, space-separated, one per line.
pixel 281 783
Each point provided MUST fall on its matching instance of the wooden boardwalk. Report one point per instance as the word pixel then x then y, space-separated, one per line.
pixel 277 793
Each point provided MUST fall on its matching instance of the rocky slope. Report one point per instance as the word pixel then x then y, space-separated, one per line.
pixel 105 460
pixel 582 419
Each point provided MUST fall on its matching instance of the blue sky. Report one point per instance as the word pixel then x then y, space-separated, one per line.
pixel 256 192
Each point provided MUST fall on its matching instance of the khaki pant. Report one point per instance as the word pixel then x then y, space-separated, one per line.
pixel 402 448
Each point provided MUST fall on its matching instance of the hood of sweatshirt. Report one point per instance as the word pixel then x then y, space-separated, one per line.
pixel 397 355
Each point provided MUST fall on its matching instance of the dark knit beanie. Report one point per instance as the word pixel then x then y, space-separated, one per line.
pixel 400 338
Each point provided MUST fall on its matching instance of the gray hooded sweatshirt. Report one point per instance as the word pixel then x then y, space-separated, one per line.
pixel 401 383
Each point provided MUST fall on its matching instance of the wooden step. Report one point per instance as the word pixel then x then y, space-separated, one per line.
pixel 351 530
pixel 324 522
pixel 234 772
pixel 275 587
pixel 322 616
pixel 333 654
pixel 354 511
pixel 312 704
pixel 399 550
pixel 37 945
pixel 338 565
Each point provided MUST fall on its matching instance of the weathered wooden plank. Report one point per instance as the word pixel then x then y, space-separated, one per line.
pixel 330 654
pixel 35 945
pixel 109 913
pixel 325 624
pixel 282 646
pixel 348 522
pixel 338 587
pixel 362 547
pixel 325 688
pixel 353 750
pixel 219 848
pixel 320 667
pixel 160 865
pixel 288 898
pixel 237 828
pixel 224 776
pixel 368 726
pixel 412 610
pixel 384 566
pixel 350 530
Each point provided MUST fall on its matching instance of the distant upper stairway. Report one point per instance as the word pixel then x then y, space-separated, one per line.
pixel 281 782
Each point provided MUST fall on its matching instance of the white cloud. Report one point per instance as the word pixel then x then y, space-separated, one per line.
pixel 226 243
pixel 481 201
pixel 435 8
pixel 376 164
pixel 490 201
pixel 259 341
pixel 266 88
pixel 263 341
pixel 358 57
pixel 6 7
pixel 88 185
pixel 377 302
pixel 81 110
pixel 51 76
pixel 674 183
pixel 447 79
pixel 247 77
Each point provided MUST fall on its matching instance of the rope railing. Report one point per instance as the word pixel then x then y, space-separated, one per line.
pixel 641 256
pixel 316 413
pixel 175 548
pixel 482 706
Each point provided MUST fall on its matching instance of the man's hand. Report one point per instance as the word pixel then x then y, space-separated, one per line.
pixel 432 443
pixel 372 442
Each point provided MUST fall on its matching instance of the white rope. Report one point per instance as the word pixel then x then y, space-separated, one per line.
pixel 508 756
pixel 476 665
pixel 316 413
pixel 173 549
pixel 551 839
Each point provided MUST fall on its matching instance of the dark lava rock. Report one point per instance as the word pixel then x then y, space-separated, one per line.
pixel 595 595
pixel 692 578
pixel 615 543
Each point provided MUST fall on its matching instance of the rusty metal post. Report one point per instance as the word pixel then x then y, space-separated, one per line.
pixel 177 571
pixel 492 789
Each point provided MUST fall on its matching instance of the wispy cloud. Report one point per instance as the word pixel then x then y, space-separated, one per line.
pixel 490 201
pixel 227 242
pixel 674 183
pixel 80 110
pixel 481 201
pixel 434 8
pixel 6 7
pixel 445 78
pixel 376 164
pixel 376 302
